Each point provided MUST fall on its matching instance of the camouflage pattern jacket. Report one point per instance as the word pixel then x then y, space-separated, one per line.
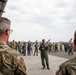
pixel 11 62
pixel 67 68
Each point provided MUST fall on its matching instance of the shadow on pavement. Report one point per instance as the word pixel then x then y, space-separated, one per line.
pixel 62 54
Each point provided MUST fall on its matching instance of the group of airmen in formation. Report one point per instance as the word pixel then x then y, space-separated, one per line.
pixel 29 48
pixel 24 48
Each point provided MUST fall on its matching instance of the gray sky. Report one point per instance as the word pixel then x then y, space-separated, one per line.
pixel 38 19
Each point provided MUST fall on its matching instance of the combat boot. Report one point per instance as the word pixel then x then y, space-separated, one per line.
pixel 48 67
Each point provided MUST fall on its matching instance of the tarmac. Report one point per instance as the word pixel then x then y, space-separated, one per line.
pixel 34 66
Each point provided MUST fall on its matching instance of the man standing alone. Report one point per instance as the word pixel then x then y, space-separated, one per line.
pixel 44 54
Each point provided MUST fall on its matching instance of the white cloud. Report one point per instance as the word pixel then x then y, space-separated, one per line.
pixel 38 19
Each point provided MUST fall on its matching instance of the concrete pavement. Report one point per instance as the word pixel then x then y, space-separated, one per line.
pixel 34 67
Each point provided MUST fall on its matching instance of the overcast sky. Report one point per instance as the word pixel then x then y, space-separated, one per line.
pixel 38 19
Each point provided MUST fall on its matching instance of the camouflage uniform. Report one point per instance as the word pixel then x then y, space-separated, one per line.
pixel 36 49
pixel 13 45
pixel 24 49
pixel 19 46
pixel 67 68
pixel 11 62
pixel 70 52
pixel 60 46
